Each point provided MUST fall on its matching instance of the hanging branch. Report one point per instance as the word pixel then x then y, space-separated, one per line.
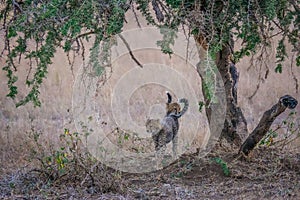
pixel 130 52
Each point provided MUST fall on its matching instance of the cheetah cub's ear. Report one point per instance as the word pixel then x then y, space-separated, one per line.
pixel 169 97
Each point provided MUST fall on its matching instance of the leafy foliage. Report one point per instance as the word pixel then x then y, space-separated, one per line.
pixel 169 36
pixel 216 23
pixel 269 138
pixel 69 162
pixel 35 29
pixel 254 22
pixel 291 127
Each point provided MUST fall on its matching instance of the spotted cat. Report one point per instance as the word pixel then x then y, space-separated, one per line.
pixel 166 130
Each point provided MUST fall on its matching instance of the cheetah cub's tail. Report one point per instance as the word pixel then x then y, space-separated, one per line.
pixel 185 108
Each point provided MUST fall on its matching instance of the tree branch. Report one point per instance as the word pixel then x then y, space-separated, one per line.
pixel 130 52
pixel 266 121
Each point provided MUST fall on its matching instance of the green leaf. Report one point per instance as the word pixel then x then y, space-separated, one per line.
pixel 13 91
pixel 201 104
pixel 174 3
pixel 223 165
pixel 278 68
pixel 298 61
pixel 67 46
pixel 126 136
pixel 11 32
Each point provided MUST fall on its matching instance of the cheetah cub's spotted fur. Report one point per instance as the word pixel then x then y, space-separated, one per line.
pixel 166 130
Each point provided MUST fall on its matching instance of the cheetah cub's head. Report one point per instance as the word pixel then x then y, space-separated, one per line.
pixel 153 125
pixel 174 107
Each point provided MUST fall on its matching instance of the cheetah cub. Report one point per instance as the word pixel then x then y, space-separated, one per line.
pixel 166 130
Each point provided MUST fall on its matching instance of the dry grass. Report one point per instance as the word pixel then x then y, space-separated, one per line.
pixel 269 173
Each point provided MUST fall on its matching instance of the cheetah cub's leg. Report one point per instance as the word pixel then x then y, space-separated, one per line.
pixel 160 151
pixel 175 146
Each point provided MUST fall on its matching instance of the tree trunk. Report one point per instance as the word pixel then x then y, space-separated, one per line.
pixel 235 122
pixel 266 121
pixel 200 41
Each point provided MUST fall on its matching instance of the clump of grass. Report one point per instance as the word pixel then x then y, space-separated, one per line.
pixel 57 168
pixel 291 127
pixel 223 165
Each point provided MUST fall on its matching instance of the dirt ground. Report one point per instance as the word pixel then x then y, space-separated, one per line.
pixel 269 173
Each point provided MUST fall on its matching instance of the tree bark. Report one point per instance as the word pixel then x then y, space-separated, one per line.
pixel 235 123
pixel 266 121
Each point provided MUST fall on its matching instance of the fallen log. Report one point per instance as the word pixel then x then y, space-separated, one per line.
pixel 266 121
